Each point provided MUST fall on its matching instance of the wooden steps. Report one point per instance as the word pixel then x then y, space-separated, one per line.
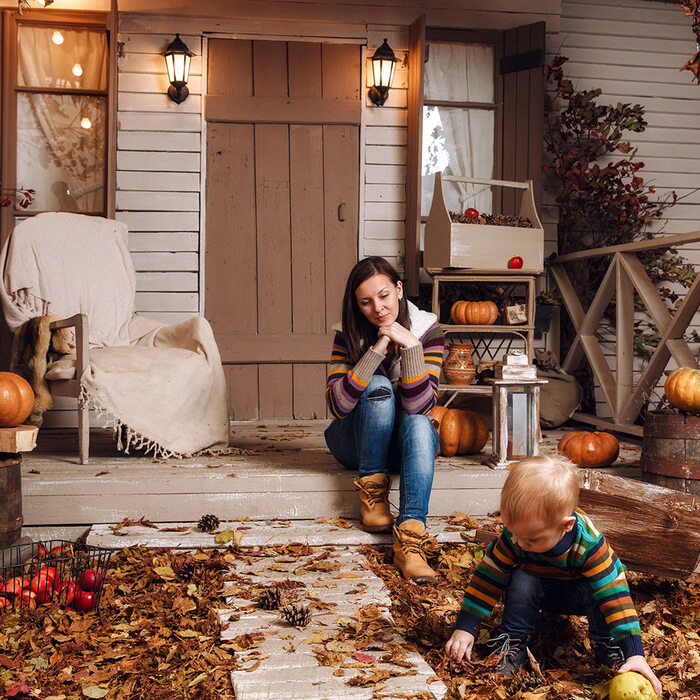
pixel 282 471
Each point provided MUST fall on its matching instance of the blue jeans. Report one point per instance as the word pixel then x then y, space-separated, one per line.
pixel 526 595
pixel 376 438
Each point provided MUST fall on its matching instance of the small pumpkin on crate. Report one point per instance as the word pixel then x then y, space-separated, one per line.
pixel 474 313
pixel 586 449
pixel 461 432
pixel 682 389
pixel 16 399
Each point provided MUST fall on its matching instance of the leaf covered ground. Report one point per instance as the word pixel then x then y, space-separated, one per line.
pixel 565 669
pixel 157 634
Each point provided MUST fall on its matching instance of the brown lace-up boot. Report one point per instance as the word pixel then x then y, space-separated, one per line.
pixel 411 542
pixel 374 499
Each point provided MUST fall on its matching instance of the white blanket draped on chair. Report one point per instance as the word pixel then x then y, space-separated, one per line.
pixel 164 384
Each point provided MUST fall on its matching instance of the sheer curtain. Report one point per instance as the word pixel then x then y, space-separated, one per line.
pixel 459 141
pixel 61 137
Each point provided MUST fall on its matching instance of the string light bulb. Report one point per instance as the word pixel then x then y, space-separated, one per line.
pixel 57 38
pixel 86 123
pixel 77 70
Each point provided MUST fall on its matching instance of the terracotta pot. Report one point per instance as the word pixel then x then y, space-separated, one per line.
pixel 459 367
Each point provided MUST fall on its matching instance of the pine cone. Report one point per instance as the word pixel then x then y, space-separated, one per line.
pixel 186 567
pixel 524 681
pixel 296 614
pixel 208 523
pixel 270 599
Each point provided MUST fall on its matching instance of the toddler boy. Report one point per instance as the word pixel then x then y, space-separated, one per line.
pixel 550 557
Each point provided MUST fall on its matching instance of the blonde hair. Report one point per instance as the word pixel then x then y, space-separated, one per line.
pixel 544 487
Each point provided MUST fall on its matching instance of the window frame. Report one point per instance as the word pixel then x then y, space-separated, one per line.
pixel 10 91
pixel 443 35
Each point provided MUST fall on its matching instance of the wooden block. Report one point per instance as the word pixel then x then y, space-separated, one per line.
pixel 21 438
pixel 516 372
pixel 515 315
pixel 515 358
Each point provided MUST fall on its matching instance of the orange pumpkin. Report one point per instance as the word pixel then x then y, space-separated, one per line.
pixel 474 313
pixel 683 389
pixel 590 449
pixel 16 399
pixel 461 432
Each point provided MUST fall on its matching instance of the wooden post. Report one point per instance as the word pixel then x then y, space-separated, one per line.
pixel 13 441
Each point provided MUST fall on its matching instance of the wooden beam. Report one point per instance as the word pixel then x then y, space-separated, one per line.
pixel 267 349
pixel 637 247
pixel 624 342
pixel 608 424
pixel 416 54
pixel 648 293
pixel 281 110
pixel 659 359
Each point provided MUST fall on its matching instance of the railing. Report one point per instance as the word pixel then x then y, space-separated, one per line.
pixel 625 275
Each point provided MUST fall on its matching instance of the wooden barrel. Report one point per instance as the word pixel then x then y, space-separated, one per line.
pixel 10 498
pixel 671 451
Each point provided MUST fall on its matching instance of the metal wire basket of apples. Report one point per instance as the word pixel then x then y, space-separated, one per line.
pixel 55 572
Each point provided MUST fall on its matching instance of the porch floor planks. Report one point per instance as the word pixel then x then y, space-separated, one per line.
pixel 295 477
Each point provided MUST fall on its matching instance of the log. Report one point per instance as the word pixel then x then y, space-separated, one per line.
pixel 652 529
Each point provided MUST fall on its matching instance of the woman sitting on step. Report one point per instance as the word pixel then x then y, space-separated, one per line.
pixel 382 385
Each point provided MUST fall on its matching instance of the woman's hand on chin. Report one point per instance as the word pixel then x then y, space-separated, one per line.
pixel 382 344
pixel 400 335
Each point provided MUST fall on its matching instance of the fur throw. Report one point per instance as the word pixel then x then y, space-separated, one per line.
pixel 33 342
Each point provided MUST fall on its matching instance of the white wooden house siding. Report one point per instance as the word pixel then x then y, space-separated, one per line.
pixel 159 158
pixel 633 50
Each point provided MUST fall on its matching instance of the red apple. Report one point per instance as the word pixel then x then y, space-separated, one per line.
pixel 67 593
pixel 471 213
pixel 41 585
pixel 84 600
pixel 515 262
pixel 15 586
pixel 28 599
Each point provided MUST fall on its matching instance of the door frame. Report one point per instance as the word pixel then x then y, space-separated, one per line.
pixel 360 41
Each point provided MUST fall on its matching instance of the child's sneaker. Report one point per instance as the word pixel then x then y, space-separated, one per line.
pixel 513 650
pixel 608 653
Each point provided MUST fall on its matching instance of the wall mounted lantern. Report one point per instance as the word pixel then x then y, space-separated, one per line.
pixel 177 60
pixel 383 66
pixel 26 5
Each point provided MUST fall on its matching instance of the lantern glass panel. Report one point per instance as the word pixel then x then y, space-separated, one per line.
pixel 178 67
pixel 518 425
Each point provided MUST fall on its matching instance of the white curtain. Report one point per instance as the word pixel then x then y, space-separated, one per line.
pixel 61 137
pixel 462 73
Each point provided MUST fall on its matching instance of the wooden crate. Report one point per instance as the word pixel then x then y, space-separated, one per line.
pixel 480 246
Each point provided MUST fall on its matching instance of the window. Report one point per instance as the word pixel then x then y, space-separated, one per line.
pixel 56 110
pixel 460 114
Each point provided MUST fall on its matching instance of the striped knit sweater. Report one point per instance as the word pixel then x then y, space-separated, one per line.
pixel 582 552
pixel 416 374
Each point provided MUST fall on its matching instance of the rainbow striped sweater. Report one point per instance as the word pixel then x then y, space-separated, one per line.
pixel 582 553
pixel 415 373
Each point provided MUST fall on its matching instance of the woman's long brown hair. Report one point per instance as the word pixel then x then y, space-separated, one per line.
pixel 358 332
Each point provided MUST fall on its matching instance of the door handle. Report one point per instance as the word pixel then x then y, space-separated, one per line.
pixel 341 211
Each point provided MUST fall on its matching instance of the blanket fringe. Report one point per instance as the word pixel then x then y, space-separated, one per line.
pixel 126 437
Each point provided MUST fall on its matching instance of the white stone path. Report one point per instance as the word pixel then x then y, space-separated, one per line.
pixel 351 634
pixel 287 664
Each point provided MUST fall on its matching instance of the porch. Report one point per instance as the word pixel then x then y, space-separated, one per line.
pixel 274 469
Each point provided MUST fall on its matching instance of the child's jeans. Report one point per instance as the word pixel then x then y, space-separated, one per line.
pixel 376 437
pixel 526 595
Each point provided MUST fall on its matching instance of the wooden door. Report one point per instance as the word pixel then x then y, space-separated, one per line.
pixel 282 211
